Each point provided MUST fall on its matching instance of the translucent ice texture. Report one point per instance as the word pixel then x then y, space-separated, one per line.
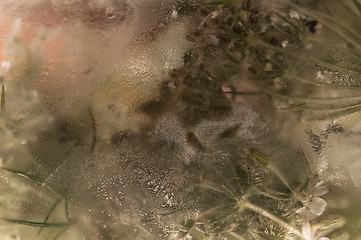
pixel 178 119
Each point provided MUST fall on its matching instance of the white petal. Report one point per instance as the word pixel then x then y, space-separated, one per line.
pixel 306 231
pixel 319 189
pixel 294 14
pixel 5 67
pixel 316 205
pixel 301 211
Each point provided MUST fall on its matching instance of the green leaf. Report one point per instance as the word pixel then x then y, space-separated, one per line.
pixel 259 157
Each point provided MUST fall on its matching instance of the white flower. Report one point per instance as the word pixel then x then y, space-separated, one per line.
pixel 5 67
pixel 314 206
pixel 294 14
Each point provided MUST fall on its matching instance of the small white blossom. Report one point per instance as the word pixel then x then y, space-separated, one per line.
pixel 5 67
pixel 284 43
pixel 314 206
pixel 294 14
pixel 214 14
pixel 174 14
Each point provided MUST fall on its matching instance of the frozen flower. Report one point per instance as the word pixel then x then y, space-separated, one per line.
pixel 174 14
pixel 5 67
pixel 309 234
pixel 294 14
pixel 284 43
pixel 314 206
pixel 214 14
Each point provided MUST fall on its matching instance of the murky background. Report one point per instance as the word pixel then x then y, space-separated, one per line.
pixel 185 119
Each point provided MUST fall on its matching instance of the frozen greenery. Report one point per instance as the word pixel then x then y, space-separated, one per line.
pixel 189 119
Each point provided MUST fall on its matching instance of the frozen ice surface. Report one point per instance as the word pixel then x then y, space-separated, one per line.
pixel 171 119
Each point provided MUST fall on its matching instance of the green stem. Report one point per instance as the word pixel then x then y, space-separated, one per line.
pixel 214 209
pixel 38 224
pixel 48 215
pixel 94 127
pixel 234 235
pixel 217 3
pixel 358 5
pixel 2 100
pixel 271 195
pixel 214 189
pixel 327 21
pixel 332 46
pixel 57 236
pixel 271 216
pixel 331 109
pixel 334 100
pixel 256 42
pixel 342 30
pixel 67 212
pixel 282 178
pixel 294 76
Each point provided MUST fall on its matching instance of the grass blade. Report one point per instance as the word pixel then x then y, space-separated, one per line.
pixel 229 56
pixel 2 99
pixel 259 157
pixel 38 224
pixel 293 53
pixel 94 126
pixel 216 3
pixel 48 216
pixel 329 22
pixel 34 178
pixel 57 236
pixel 67 212
pixel 358 5
pixel 25 175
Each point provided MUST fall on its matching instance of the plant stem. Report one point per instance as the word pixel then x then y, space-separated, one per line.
pixel 335 26
pixel 236 236
pixel 48 215
pixel 334 100
pixel 271 216
pixel 281 177
pixel 67 212
pixel 94 126
pixel 332 46
pixel 2 100
pixel 37 224
pixel 256 43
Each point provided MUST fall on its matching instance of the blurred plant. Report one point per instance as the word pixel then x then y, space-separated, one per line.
pixel 305 56
pixel 256 202
pixel 298 55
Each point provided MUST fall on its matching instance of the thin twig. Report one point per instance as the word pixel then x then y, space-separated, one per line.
pixel 37 224
pixel 2 100
pixel 48 215
pixel 94 126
